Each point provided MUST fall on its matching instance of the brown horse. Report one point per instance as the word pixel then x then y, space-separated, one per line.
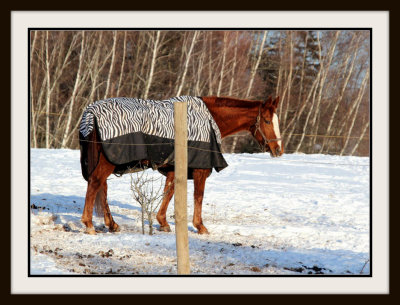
pixel 231 115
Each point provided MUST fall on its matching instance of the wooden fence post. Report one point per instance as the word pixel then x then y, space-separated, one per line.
pixel 181 227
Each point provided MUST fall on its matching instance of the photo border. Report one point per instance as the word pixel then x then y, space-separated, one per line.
pixel 377 21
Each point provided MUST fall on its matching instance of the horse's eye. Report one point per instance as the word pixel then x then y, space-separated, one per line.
pixel 268 122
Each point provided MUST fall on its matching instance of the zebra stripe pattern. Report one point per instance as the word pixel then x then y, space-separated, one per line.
pixel 120 116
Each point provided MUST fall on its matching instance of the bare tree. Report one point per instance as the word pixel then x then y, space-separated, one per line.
pixel 122 65
pixel 347 71
pixel 33 116
pixel 185 67
pixel 112 64
pixel 288 86
pixel 255 66
pixel 325 66
pixel 363 132
pixel 55 66
pixel 221 77
pixel 199 82
pixel 234 64
pixel 318 76
pixel 357 103
pixel 74 92
pixel 310 111
pixel 148 192
pixel 156 42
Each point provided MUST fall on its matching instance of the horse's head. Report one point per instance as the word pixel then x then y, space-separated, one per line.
pixel 266 130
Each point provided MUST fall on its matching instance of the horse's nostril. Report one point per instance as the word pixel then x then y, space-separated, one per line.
pixel 278 150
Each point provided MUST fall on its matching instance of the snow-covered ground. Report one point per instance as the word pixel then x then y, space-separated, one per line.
pixel 294 215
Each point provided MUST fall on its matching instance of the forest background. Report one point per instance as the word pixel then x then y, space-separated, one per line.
pixel 322 78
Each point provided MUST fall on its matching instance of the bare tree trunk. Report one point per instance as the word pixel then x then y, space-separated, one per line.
pixel 33 118
pixel 73 96
pixel 138 68
pixel 122 65
pixel 288 83
pixel 210 90
pixel 95 67
pixel 357 102
pixel 350 112
pixel 221 77
pixel 187 63
pixel 152 65
pixel 279 81
pixel 302 69
pixel 48 93
pixel 234 64
pixel 200 68
pixel 348 74
pixel 360 138
pixel 38 87
pixel 233 147
pixel 111 65
pixel 298 114
pixel 325 69
pixel 310 111
pixel 55 64
pixel 255 66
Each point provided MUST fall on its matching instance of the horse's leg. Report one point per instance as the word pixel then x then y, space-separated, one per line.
pixel 95 182
pixel 168 193
pixel 108 219
pixel 199 179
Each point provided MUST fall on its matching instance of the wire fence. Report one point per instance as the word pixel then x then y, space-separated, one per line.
pixel 365 137
pixel 217 151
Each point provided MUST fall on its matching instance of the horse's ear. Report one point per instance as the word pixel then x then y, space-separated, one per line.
pixel 275 102
pixel 268 101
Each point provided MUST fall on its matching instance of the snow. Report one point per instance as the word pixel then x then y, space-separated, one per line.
pixel 294 215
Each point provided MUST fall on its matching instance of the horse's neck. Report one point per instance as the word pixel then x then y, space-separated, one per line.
pixel 232 115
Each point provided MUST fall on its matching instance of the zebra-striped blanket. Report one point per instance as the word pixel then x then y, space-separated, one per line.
pixel 133 129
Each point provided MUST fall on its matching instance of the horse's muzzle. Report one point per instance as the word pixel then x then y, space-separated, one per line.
pixel 275 153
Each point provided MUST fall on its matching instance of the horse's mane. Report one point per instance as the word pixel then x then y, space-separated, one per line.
pixel 233 102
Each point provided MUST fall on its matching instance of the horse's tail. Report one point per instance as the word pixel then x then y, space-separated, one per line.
pixel 99 202
pixel 90 153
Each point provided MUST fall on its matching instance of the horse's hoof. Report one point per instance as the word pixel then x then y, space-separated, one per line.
pixel 165 229
pixel 203 230
pixel 114 228
pixel 90 231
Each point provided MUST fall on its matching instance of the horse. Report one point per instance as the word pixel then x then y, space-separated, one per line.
pixel 232 115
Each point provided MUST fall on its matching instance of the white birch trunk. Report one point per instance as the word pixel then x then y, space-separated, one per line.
pixel 310 111
pixel 357 102
pixel 210 84
pixel 234 64
pixel 255 66
pixel 360 139
pixel 111 65
pixel 141 81
pixel 278 84
pixel 33 117
pixel 234 143
pixel 289 83
pixel 152 65
pixel 326 67
pixel 200 69
pixel 122 65
pixel 48 92
pixel 348 74
pixel 187 63
pixel 73 96
pixel 221 76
